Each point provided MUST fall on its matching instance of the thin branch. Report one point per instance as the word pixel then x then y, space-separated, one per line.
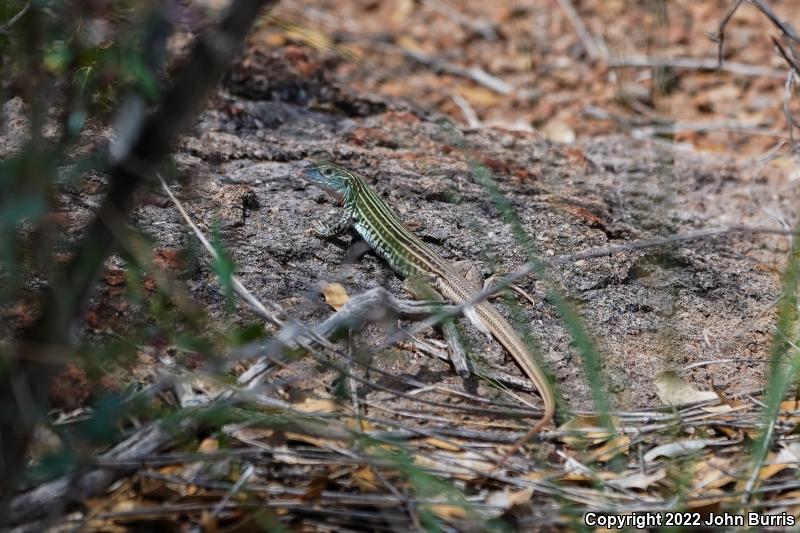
pixel 695 63
pixel 4 29
pixel 470 116
pixel 786 56
pixel 458 355
pixel 589 42
pixel 271 316
pixel 52 496
pixel 719 35
pixel 476 74
pixel 784 26
pixel 725 125
pixel 480 26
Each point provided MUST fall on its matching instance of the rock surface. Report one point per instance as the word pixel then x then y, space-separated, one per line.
pixel 664 308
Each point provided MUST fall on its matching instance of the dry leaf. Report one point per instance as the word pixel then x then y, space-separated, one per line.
pixel 360 425
pixel 611 449
pixel 678 448
pixel 209 445
pixel 316 405
pixel 463 464
pixel 711 501
pixel 559 132
pixel 638 480
pixel 402 10
pixel 790 406
pixel 274 40
pixel 319 442
pixel 366 480
pixel 712 473
pixel 789 454
pixel 736 434
pixel 582 475
pixel 719 409
pixel 448 512
pixel 335 295
pixel 510 123
pixel 444 445
pixel 315 488
pixel 129 506
pixel 787 457
pixel 409 43
pixel 672 390
pixel 249 434
pixel 500 501
pixel 587 430
pixel 480 97
pixel 790 412
pixel 534 476
pixel 208 522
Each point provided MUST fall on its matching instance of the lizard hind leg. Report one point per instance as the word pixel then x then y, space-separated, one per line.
pixel 421 288
pixel 513 286
pixel 471 273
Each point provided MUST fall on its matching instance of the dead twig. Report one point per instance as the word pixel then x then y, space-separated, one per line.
pixel 594 50
pixel 275 315
pixel 725 125
pixel 50 497
pixel 478 26
pixel 470 116
pixel 719 35
pixel 695 63
pixel 4 29
pixel 476 74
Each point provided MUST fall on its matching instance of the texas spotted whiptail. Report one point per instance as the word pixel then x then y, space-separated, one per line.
pixel 378 224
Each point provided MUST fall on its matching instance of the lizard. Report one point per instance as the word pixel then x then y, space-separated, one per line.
pixel 378 224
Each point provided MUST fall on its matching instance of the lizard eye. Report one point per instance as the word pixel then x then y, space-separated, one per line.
pixel 327 172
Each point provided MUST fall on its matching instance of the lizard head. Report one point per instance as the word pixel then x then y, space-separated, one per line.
pixel 329 176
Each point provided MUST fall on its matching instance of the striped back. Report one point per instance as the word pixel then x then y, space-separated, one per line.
pixel 380 226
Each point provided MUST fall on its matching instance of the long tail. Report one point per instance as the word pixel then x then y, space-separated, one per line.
pixel 549 412
pixel 505 334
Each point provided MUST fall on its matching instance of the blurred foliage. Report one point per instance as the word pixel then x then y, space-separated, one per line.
pixel 70 63
pixel 80 64
pixel 68 68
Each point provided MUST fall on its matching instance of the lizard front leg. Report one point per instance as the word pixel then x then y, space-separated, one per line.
pixel 328 231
